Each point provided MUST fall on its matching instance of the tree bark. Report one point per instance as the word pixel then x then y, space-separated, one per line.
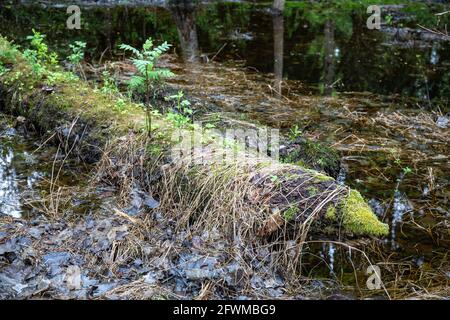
pixel 183 13
pixel 329 63
pixel 278 6
pixel 278 40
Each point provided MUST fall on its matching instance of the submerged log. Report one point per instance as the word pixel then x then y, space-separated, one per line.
pixel 254 199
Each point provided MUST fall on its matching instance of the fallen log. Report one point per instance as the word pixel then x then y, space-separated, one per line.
pixel 257 200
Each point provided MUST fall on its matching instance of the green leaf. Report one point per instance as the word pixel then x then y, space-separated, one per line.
pixel 127 47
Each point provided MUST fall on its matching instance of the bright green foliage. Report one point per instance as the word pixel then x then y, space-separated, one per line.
pixel 147 74
pixel 182 110
pixel 109 84
pixel 407 170
pixel 294 132
pixel 38 55
pixel 144 61
pixel 77 54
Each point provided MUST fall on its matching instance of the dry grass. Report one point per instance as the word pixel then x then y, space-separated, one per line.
pixel 239 199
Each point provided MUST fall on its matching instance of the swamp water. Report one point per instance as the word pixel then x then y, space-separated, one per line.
pixel 379 97
pixel 19 170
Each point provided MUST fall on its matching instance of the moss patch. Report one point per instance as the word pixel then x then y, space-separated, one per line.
pixel 358 218
pixel 312 190
pixel 331 213
pixel 290 213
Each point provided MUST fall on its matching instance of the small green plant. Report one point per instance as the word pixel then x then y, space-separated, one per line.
pixel 182 105
pixel 3 69
pixel 275 179
pixel 77 55
pixel 209 126
pixel 147 74
pixel 39 48
pixel 8 54
pixel 407 170
pixel 177 119
pixel 109 84
pixel 389 19
pixel 120 105
pixel 38 54
pixel 294 133
pixel 182 111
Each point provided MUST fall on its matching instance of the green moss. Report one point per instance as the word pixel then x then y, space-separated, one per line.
pixel 291 176
pixel 358 218
pixel 312 190
pixel 331 213
pixel 319 177
pixel 290 213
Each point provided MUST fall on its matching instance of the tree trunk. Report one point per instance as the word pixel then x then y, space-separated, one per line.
pixel 278 40
pixel 183 13
pixel 278 5
pixel 329 63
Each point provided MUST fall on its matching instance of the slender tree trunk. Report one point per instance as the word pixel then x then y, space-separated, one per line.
pixel 278 40
pixel 329 63
pixel 278 5
pixel 183 13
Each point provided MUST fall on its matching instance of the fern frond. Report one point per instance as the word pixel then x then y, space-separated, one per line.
pixel 136 83
pixel 160 74
pixel 127 47
pixel 142 65
pixel 148 44
pixel 158 51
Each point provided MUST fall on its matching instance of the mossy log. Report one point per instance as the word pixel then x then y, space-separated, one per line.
pixel 221 195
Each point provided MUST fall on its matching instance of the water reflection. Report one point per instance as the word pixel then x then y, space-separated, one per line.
pixel 9 187
pixel 278 44
pixel 400 206
pixel 329 58
pixel 19 171
pixel 324 45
